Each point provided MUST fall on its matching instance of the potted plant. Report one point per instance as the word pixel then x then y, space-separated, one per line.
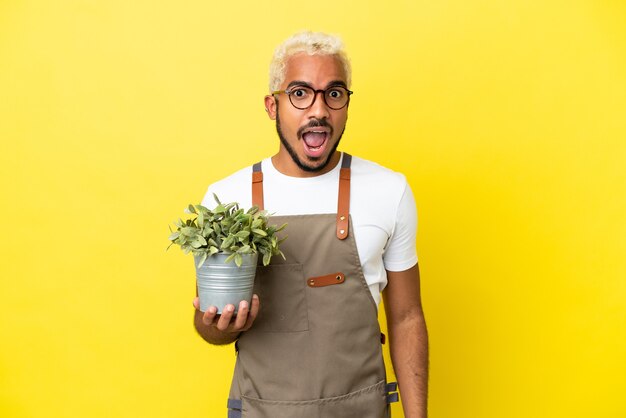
pixel 226 243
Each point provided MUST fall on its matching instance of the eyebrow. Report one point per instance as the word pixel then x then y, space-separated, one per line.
pixel 333 83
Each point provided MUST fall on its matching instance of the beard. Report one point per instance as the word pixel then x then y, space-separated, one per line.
pixel 294 155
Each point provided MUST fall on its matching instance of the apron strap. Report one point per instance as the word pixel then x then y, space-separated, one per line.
pixel 257 186
pixel 343 201
pixel 392 395
pixel 234 408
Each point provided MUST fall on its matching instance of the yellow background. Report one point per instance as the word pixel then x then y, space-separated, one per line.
pixel 508 118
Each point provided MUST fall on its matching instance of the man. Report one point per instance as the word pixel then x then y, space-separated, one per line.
pixel 309 343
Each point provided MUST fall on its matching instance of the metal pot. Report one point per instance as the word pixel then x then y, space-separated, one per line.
pixel 220 284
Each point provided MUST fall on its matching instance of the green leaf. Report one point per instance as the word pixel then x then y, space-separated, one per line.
pixel 259 232
pixel 240 216
pixel 188 231
pixel 242 234
pixel 202 260
pixel 238 259
pixel 235 228
pixel 266 258
pixel 174 236
pixel 202 209
pixel 227 242
pixel 230 258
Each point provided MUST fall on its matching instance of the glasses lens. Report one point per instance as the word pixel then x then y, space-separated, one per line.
pixel 336 97
pixel 301 97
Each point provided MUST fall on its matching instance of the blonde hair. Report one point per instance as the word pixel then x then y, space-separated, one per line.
pixel 312 43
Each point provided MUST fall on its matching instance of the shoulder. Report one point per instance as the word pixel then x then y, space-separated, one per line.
pixel 238 177
pixel 375 178
pixel 233 188
pixel 378 195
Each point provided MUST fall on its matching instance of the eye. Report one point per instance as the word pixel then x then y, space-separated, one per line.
pixel 299 93
pixel 335 94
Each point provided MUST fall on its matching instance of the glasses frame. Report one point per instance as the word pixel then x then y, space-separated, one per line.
pixel 289 91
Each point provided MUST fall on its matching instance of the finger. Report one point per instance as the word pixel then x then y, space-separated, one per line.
pixel 196 303
pixel 209 315
pixel 227 314
pixel 242 315
pixel 254 311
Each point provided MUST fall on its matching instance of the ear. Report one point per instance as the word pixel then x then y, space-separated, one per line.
pixel 270 106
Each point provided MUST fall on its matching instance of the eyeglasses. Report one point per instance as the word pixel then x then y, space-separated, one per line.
pixel 303 97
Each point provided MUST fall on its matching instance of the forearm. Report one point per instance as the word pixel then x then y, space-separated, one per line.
pixel 408 341
pixel 211 334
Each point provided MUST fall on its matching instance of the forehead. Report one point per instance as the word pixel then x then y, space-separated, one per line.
pixel 318 70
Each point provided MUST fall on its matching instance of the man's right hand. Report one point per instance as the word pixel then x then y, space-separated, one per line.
pixel 225 328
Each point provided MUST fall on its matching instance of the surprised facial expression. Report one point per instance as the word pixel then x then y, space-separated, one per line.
pixel 309 137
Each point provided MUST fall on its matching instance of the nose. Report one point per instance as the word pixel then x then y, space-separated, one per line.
pixel 319 109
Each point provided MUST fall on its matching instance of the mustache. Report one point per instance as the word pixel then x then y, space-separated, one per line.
pixel 315 123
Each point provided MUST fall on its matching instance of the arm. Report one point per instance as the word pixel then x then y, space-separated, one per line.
pixel 224 329
pixel 408 339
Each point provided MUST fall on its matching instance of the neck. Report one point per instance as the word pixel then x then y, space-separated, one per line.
pixel 283 162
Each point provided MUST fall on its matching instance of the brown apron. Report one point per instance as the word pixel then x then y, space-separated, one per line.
pixel 314 350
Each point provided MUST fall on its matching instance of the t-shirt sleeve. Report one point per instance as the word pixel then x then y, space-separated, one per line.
pixel 234 188
pixel 400 253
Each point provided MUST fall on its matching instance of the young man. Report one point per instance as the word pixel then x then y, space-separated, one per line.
pixel 309 344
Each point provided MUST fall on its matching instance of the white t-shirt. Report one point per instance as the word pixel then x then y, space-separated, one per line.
pixel 382 208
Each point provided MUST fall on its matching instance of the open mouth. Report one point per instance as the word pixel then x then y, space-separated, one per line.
pixel 314 141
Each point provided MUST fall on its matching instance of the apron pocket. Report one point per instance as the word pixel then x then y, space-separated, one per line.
pixel 370 402
pixel 282 293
